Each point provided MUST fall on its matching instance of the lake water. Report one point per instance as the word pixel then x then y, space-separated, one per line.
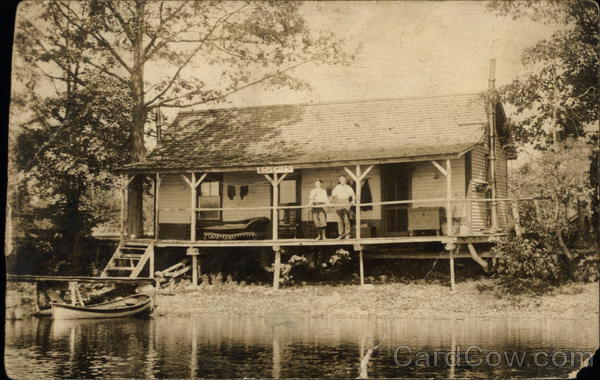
pixel 235 346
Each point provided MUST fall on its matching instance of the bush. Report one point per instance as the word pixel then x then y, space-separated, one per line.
pixel 528 264
pixel 585 269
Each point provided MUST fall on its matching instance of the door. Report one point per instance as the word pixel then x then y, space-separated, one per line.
pixel 395 186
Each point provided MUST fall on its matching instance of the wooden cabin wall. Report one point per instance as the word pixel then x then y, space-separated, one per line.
pixel 428 183
pixel 479 218
pixel 501 184
pixel 479 210
pixel 174 193
pixel 259 195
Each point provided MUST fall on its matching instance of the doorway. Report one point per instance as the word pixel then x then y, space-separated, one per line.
pixel 395 186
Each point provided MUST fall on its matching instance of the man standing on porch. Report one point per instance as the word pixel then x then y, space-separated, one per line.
pixel 343 197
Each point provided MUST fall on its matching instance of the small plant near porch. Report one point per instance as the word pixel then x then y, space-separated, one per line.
pixel 315 263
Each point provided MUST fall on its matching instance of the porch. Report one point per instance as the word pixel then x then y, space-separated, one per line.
pixel 431 224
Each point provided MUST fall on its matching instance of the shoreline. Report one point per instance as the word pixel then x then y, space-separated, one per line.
pixel 570 301
pixel 578 301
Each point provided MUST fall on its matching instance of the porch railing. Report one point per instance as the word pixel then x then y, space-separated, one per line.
pixel 512 204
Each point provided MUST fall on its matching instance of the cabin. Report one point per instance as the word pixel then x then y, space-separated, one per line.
pixel 424 170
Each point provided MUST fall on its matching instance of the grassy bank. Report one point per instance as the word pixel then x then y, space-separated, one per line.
pixel 472 299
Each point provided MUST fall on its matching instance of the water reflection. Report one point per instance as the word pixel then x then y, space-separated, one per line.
pixel 235 346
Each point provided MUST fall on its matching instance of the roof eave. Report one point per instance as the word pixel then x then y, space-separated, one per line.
pixel 305 165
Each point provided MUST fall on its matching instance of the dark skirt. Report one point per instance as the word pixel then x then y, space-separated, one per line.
pixel 319 217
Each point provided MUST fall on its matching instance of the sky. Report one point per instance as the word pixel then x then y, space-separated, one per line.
pixel 410 48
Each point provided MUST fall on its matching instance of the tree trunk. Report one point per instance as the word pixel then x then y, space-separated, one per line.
pixel 73 229
pixel 582 225
pixel 139 115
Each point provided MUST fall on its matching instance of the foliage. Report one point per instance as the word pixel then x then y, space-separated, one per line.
pixel 586 269
pixel 329 262
pixel 96 56
pixel 555 106
pixel 200 53
pixel 561 174
pixel 61 153
pixel 558 94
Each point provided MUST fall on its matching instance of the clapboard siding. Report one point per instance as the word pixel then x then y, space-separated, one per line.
pixel 330 176
pixel 259 195
pixel 501 184
pixel 174 193
pixel 429 183
pixel 479 210
pixel 479 218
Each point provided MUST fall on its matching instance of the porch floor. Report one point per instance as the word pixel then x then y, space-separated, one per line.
pixel 313 242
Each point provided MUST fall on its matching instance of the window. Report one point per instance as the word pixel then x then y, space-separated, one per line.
pixel 209 196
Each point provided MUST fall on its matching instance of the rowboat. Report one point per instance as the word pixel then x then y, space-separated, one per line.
pixel 135 305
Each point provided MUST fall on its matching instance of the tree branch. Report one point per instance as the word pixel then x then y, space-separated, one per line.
pixel 165 103
pixel 219 22
pixel 97 36
pixel 161 26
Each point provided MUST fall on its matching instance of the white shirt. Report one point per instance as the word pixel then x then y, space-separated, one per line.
pixel 343 193
pixel 318 195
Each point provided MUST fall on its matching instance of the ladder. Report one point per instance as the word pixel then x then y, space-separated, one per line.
pixel 130 259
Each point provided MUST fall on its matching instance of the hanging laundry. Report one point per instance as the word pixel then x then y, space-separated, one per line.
pixel 365 196
pixel 230 192
pixel 243 191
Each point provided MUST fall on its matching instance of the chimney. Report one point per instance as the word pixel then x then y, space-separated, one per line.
pixel 492 142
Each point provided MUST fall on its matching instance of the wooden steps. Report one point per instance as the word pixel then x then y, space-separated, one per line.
pixel 127 258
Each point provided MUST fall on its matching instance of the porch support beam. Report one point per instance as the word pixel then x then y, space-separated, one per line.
pixel 157 180
pixel 358 177
pixel 193 185
pixel 126 180
pixel 450 230
pixel 276 267
pixel 440 168
pixel 478 259
pixel 360 248
pixel 194 252
pixel 452 279
pixel 357 215
pixel 275 181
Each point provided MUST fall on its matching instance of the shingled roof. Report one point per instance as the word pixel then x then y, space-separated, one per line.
pixel 320 133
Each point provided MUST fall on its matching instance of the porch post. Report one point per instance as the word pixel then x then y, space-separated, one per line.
pixel 357 203
pixel 151 262
pixel 156 205
pixel 452 285
pixel 276 267
pixel 362 267
pixel 275 222
pixel 449 228
pixel 123 194
pixel 124 201
pixel 193 209
pixel 193 184
pixel 194 252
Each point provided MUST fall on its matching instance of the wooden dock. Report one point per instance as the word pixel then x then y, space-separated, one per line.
pixel 108 280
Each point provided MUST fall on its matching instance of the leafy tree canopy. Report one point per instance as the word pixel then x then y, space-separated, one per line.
pixel 557 97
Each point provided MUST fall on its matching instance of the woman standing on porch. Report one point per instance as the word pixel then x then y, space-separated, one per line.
pixel 344 197
pixel 318 197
